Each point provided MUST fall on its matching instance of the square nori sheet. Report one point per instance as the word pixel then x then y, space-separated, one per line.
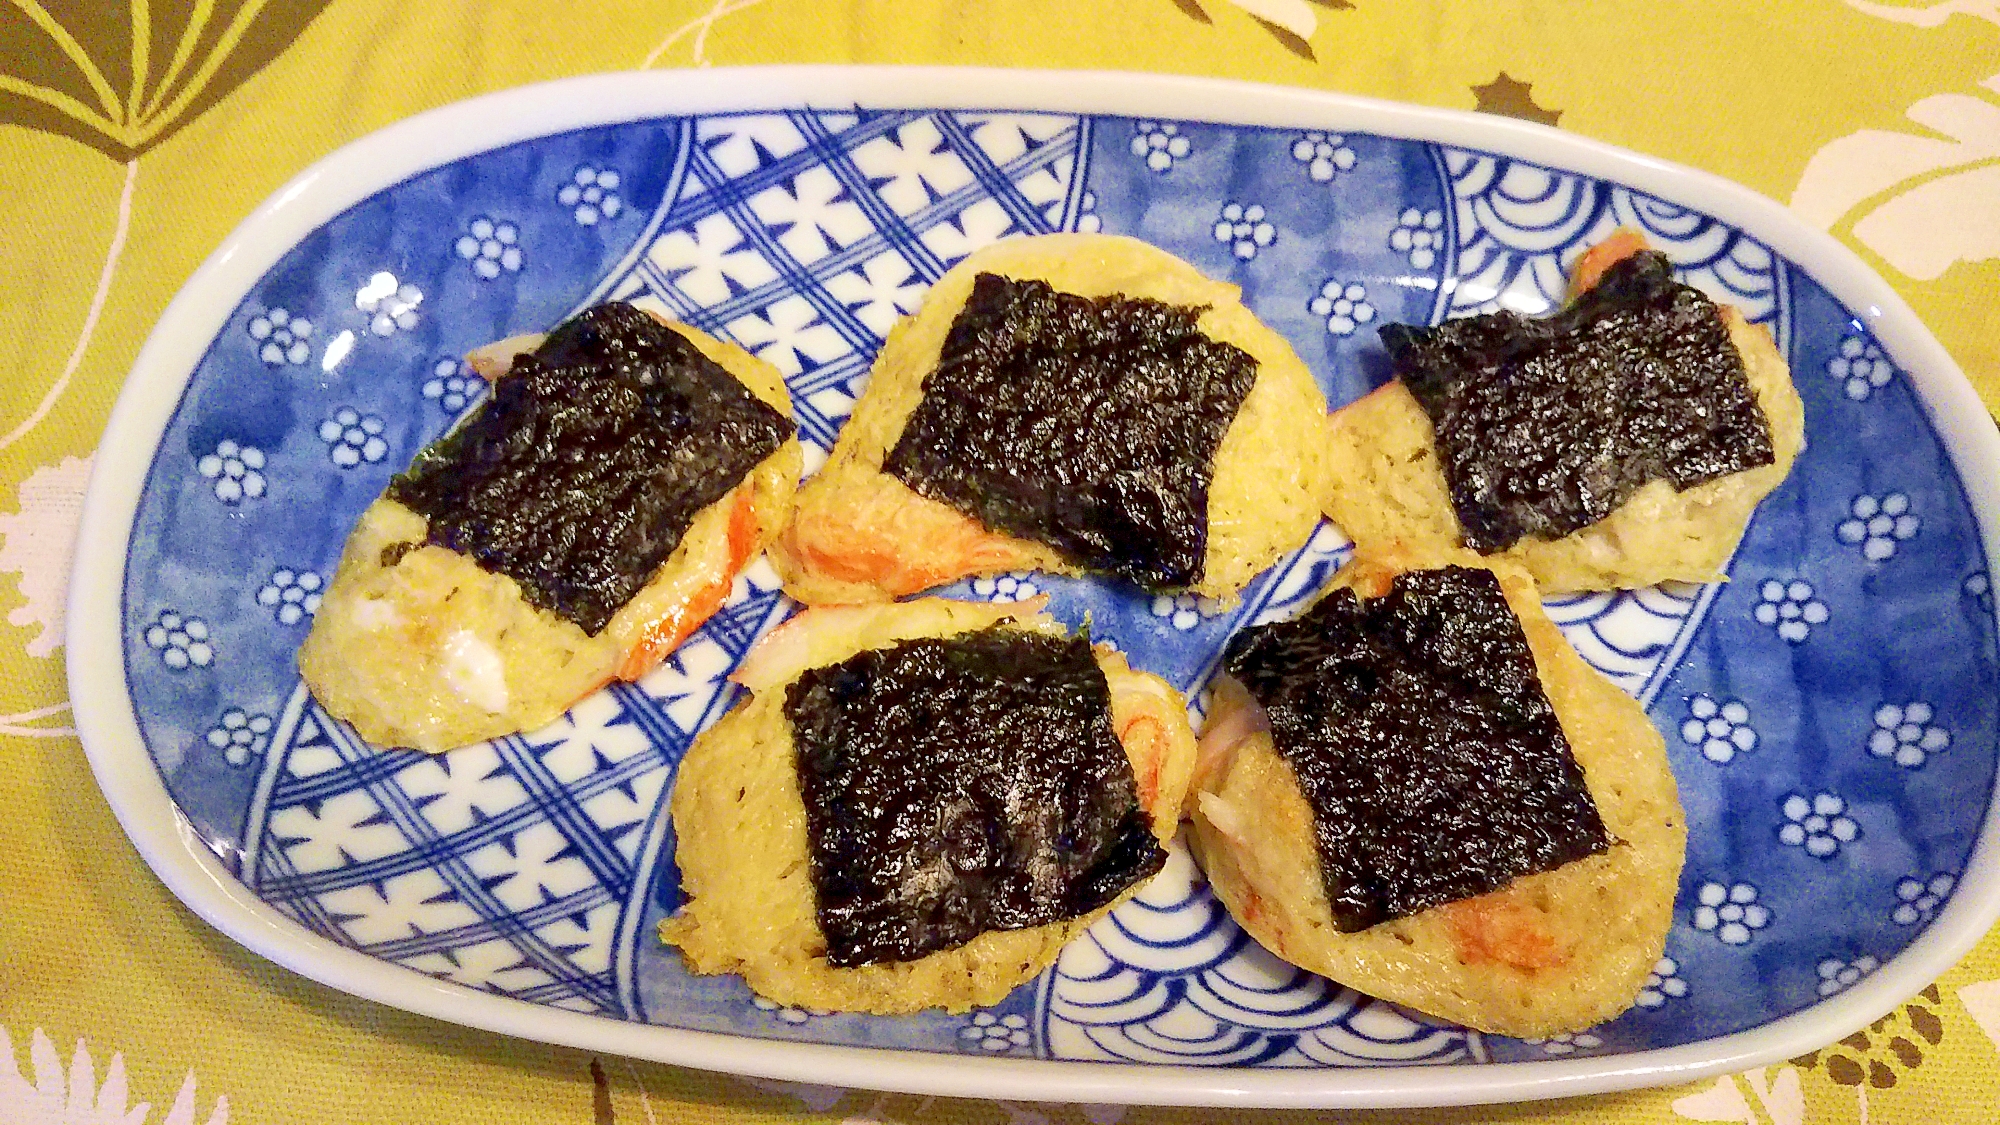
pixel 1545 426
pixel 585 466
pixel 1417 725
pixel 958 786
pixel 1087 424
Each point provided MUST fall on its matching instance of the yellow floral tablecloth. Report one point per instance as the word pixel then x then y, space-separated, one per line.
pixel 134 134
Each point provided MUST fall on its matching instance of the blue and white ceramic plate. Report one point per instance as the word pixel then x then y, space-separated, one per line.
pixel 1830 711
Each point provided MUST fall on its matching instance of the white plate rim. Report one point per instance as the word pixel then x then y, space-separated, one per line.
pixel 131 782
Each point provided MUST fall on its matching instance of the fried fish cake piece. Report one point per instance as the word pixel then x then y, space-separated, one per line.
pixel 862 534
pixel 750 903
pixel 1549 952
pixel 419 643
pixel 1388 483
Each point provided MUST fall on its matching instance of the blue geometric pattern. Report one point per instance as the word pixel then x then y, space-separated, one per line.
pixel 805 237
pixel 1830 712
pixel 507 866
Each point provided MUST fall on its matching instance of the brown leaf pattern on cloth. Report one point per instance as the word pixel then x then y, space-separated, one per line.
pixel 1509 97
pixel 1885 1050
pixel 601 1112
pixel 122 77
pixel 1289 38
pixel 1291 41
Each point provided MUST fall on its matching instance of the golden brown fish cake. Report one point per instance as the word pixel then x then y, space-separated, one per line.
pixel 740 823
pixel 1551 952
pixel 1387 483
pixel 861 535
pixel 433 651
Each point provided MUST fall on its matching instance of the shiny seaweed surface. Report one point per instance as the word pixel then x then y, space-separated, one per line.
pixel 1088 424
pixel 1546 426
pixel 580 474
pixel 1421 736
pixel 963 785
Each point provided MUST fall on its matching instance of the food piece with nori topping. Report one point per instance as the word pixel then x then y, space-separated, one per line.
pixel 1423 741
pixel 1086 424
pixel 1545 426
pixel 958 786
pixel 589 460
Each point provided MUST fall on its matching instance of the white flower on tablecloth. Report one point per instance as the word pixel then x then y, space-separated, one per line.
pixel 1925 197
pixel 591 194
pixel 73 1096
pixel 389 305
pixel 1159 144
pixel 1783 1100
pixel 35 543
pixel 280 337
pixel 491 246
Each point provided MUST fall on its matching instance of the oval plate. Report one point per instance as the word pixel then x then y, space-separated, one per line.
pixel 1830 712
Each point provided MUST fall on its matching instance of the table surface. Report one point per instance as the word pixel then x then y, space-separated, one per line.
pixel 120 168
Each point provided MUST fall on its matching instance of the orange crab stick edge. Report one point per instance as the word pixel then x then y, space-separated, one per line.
pixel 667 632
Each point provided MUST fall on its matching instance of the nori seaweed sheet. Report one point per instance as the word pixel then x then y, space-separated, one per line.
pixel 959 786
pixel 1546 426
pixel 1420 734
pixel 1087 424
pixel 585 466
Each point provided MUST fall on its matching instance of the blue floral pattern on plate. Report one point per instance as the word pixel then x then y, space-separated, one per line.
pixel 1834 769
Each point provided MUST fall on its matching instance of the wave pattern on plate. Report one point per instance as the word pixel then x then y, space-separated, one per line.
pixel 1170 978
pixel 1632 636
pixel 1519 226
